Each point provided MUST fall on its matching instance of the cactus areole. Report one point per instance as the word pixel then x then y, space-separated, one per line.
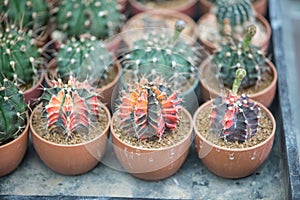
pixel 235 118
pixel 148 109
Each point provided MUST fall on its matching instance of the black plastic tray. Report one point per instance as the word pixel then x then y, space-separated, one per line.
pixel 277 178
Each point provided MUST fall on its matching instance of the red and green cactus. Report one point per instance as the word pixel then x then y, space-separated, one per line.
pixel 235 118
pixel 70 107
pixel 148 109
pixel 12 111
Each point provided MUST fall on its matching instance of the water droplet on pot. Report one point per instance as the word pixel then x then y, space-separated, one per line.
pixel 231 156
pixel 171 153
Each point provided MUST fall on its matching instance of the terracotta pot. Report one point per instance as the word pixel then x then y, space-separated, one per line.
pixel 31 95
pixel 209 18
pixel 12 153
pixel 259 6
pixel 152 164
pixel 232 163
pixel 189 7
pixel 134 27
pixel 71 159
pixel 265 96
pixel 105 92
pixel 123 5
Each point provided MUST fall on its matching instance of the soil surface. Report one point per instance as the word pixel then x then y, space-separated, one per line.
pixel 264 131
pixel 170 138
pixel 39 121
pixel 166 4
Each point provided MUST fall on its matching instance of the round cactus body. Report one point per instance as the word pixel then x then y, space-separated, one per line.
pixel 236 11
pixel 148 109
pixel 85 58
pixel 26 13
pixel 20 57
pixel 100 18
pixel 12 111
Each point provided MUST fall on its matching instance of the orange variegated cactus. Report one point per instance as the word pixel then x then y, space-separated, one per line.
pixel 147 109
pixel 70 107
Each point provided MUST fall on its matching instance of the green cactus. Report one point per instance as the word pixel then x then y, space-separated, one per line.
pixel 12 111
pixel 171 56
pixel 238 12
pixel 235 55
pixel 32 14
pixel 85 58
pixel 19 56
pixel 100 18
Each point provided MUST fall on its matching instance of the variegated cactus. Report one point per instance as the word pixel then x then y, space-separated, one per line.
pixel 100 18
pixel 70 107
pixel 234 55
pixel 235 118
pixel 12 111
pixel 20 58
pixel 31 14
pixel 148 109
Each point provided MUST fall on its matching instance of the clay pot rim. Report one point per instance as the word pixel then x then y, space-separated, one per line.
pixel 178 8
pixel 25 131
pixel 52 65
pixel 190 131
pixel 271 66
pixel 208 104
pixel 163 13
pixel 37 85
pixel 258 17
pixel 32 129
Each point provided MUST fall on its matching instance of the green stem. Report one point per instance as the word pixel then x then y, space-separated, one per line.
pixel 250 32
pixel 239 76
pixel 179 26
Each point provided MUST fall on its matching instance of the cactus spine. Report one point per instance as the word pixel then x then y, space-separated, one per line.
pixel 12 111
pixel 235 118
pixel 148 109
pixel 70 107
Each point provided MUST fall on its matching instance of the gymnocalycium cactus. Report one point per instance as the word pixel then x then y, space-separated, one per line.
pixel 70 107
pixel 157 52
pixel 238 12
pixel 19 56
pixel 147 109
pixel 31 14
pixel 100 18
pixel 235 118
pixel 234 55
pixel 12 111
pixel 85 58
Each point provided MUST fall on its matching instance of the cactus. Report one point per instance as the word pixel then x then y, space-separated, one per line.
pixel 12 111
pixel 85 58
pixel 20 57
pixel 148 109
pixel 100 18
pixel 71 107
pixel 31 14
pixel 159 53
pixel 235 118
pixel 234 55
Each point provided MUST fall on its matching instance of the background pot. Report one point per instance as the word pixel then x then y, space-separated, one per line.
pixel 70 159
pixel 31 95
pixel 189 7
pixel 265 96
pixel 232 163
pixel 152 164
pixel 211 20
pixel 12 153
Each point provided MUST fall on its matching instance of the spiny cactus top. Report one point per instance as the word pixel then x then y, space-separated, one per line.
pixel 12 111
pixel 100 18
pixel 235 118
pixel 157 52
pixel 19 56
pixel 147 109
pixel 26 13
pixel 70 107
pixel 84 58
pixel 236 11
pixel 234 55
